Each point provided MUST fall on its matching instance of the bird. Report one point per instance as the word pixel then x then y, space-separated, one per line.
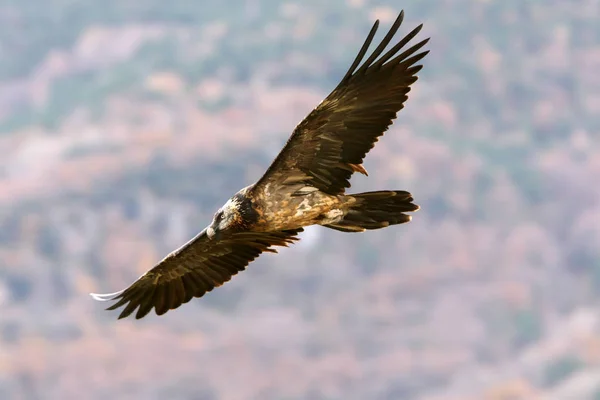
pixel 304 185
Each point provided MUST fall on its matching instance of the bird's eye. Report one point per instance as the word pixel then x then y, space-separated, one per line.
pixel 219 215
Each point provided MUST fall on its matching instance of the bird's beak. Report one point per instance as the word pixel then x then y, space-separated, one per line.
pixel 213 233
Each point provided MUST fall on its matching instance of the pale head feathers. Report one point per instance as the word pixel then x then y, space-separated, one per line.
pixel 227 215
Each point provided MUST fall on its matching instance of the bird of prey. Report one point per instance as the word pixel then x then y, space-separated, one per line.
pixel 305 184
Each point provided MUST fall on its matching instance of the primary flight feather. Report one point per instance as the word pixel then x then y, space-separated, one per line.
pixel 305 185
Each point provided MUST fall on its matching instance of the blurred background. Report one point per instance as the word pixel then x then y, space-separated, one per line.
pixel 124 124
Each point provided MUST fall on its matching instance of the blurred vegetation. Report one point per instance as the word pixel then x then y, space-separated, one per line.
pixel 561 369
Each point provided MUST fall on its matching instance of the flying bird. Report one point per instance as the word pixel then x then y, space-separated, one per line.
pixel 305 184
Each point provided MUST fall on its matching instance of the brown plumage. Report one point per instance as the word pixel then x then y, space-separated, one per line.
pixel 304 185
pixel 346 125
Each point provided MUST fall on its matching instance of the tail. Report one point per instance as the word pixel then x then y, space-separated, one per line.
pixel 375 210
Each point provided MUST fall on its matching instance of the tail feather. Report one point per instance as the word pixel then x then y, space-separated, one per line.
pixel 375 210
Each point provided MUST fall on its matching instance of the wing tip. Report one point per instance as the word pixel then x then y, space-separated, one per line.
pixel 123 316
pixel 105 296
pixel 400 17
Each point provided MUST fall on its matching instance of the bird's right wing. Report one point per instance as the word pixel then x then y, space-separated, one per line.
pixel 329 145
pixel 193 270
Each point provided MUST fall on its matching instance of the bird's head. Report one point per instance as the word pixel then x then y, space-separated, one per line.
pixel 227 218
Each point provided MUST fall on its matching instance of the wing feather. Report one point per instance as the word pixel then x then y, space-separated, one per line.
pixel 329 145
pixel 193 270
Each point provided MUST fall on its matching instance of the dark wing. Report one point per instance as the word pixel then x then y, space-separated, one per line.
pixel 193 270
pixel 331 142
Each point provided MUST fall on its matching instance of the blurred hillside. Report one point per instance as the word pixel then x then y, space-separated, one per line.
pixel 124 124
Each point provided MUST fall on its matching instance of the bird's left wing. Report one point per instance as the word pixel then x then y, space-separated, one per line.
pixel 193 270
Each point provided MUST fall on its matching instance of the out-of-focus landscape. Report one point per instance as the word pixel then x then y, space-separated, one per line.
pixel 124 124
